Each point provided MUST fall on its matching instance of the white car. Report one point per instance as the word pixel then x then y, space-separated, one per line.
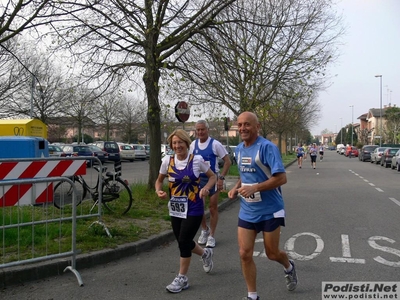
pixel 338 147
pixel 164 149
pixel 126 152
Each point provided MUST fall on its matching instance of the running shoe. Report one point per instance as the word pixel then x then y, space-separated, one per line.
pixel 210 242
pixel 291 278
pixel 207 260
pixel 178 284
pixel 204 236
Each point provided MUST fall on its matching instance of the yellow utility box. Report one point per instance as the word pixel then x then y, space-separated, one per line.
pixel 23 127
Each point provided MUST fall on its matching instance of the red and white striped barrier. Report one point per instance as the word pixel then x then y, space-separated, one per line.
pixel 21 194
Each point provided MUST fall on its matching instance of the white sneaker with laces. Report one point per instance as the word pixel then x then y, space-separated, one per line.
pixel 204 236
pixel 291 278
pixel 210 242
pixel 178 284
pixel 207 260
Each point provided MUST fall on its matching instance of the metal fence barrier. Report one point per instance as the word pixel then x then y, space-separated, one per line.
pixel 26 226
pixel 32 229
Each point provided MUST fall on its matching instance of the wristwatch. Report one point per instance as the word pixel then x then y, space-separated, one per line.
pixel 221 177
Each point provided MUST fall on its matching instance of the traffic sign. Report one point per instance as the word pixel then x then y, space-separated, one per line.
pixel 182 111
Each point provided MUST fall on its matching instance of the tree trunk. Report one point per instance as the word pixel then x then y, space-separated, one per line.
pixel 151 81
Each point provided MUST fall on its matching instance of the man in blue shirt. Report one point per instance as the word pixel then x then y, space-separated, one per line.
pixel 262 174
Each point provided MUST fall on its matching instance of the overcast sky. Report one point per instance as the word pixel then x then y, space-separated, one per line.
pixel 372 47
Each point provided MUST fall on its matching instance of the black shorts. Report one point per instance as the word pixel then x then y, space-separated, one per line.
pixel 321 152
pixel 264 226
pixel 203 182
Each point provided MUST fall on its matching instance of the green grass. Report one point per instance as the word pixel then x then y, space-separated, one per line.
pixel 148 216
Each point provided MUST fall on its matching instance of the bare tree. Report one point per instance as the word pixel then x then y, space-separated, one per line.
pixel 81 105
pixel 288 111
pixel 119 39
pixel 43 90
pixel 12 76
pixel 18 78
pixel 19 15
pixel 276 44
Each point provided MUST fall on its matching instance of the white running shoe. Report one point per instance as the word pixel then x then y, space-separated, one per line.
pixel 178 284
pixel 207 260
pixel 204 236
pixel 210 242
pixel 291 278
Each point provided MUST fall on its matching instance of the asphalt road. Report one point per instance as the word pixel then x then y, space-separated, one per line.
pixel 342 225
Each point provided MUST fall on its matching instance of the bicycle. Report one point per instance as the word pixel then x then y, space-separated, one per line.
pixel 116 193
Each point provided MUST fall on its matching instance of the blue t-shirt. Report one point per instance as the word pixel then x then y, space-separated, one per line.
pixel 257 163
pixel 300 151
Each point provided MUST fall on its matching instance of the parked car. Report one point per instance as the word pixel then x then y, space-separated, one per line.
pixel 100 154
pixel 164 149
pixel 56 151
pixel 170 152
pixel 386 157
pixel 231 153
pixel 376 155
pixel 234 162
pixel 140 151
pixel 342 150
pixel 338 147
pixel 111 148
pixel 396 161
pixel 126 152
pixel 365 152
pixel 79 150
pixel 353 150
pixel 147 148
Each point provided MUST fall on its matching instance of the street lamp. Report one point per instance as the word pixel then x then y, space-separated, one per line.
pixel 33 85
pixel 352 129
pixel 341 132
pixel 380 116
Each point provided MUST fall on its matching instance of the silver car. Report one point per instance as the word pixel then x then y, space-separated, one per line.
pixel 56 151
pixel 140 151
pixel 396 161
pixel 376 155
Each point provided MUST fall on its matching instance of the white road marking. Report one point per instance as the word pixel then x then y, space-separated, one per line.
pixel 348 260
pixel 372 242
pixel 346 253
pixel 379 190
pixel 289 246
pixel 395 201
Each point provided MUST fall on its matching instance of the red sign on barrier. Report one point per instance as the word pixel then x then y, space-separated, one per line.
pixel 21 194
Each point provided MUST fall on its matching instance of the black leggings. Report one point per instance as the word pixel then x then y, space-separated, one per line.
pixel 185 231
